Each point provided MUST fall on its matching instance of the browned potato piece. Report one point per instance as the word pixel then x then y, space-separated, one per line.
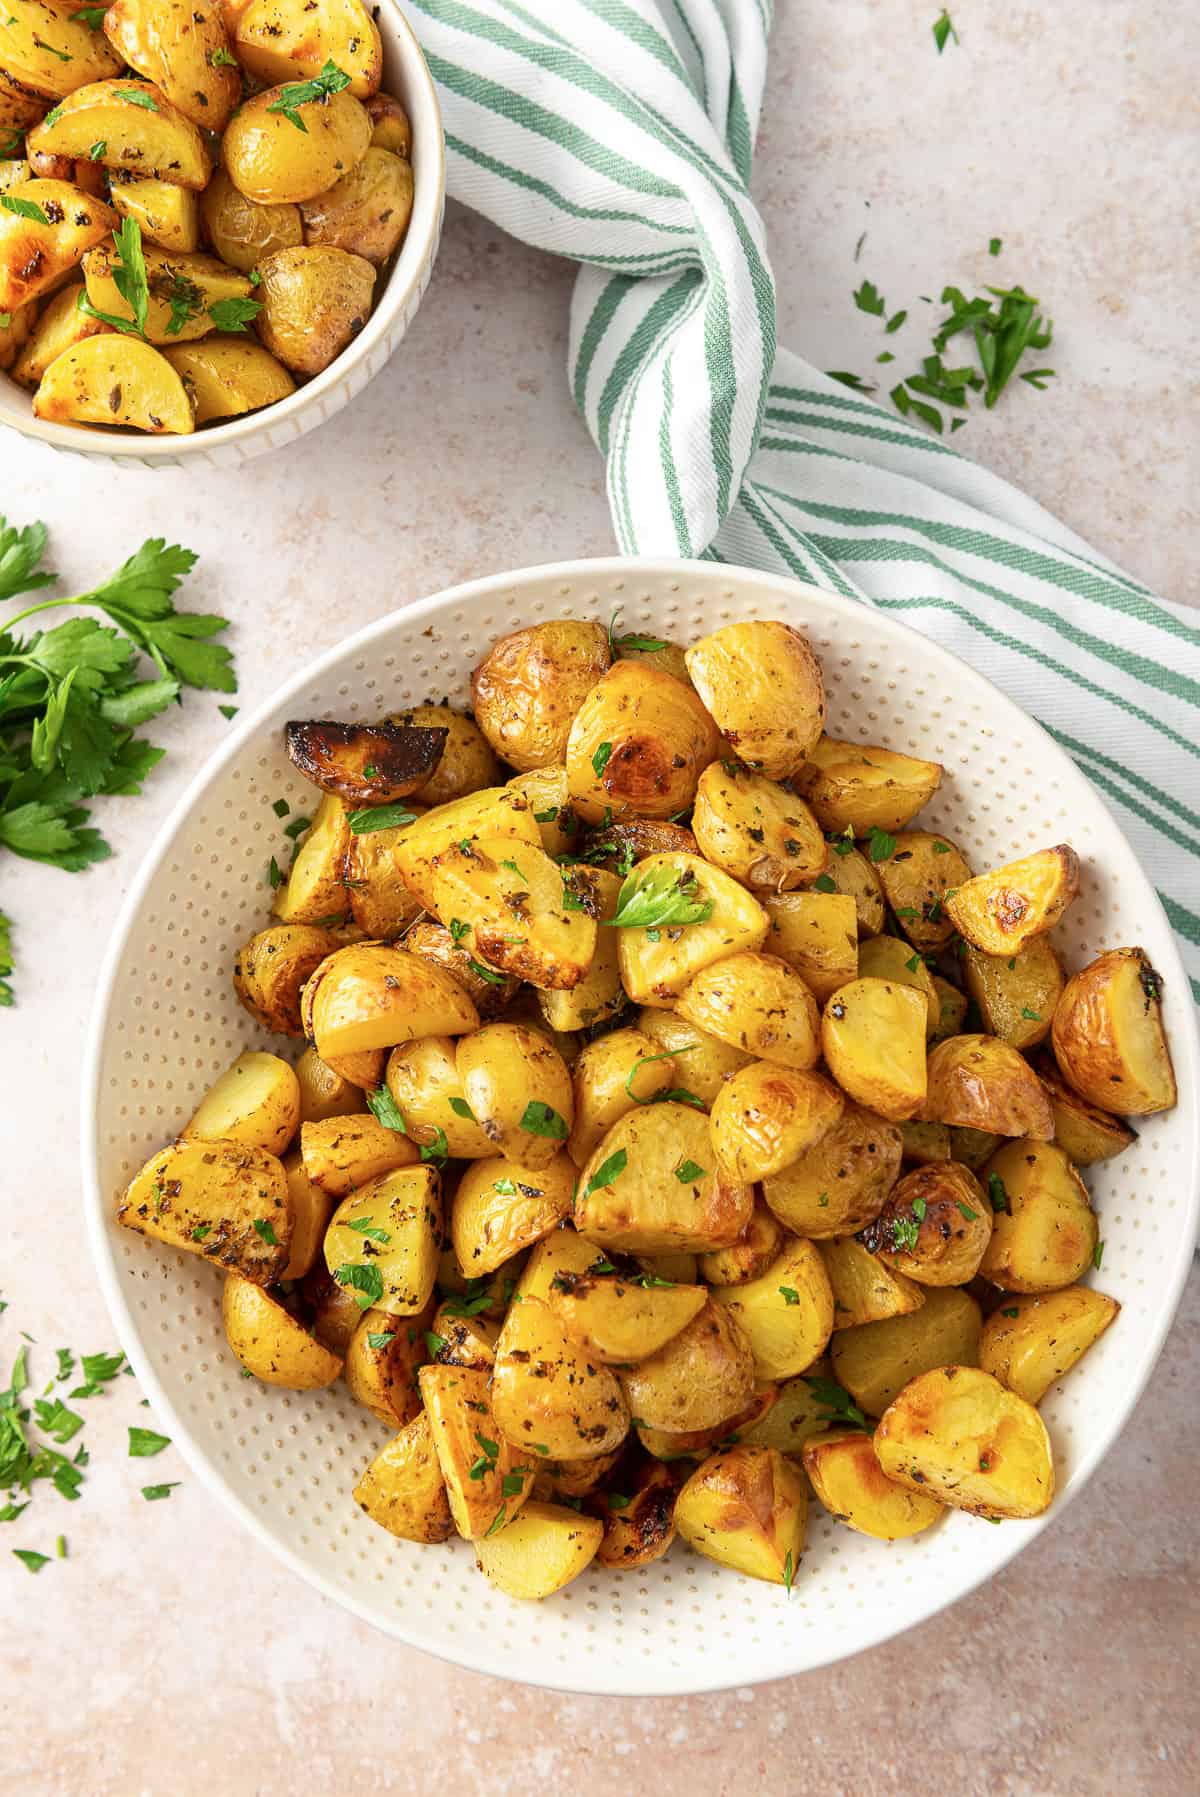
pixel 367 211
pixel 278 41
pixel 474 1457
pixel 527 689
pixel 652 1184
pixel 849 1481
pixel 877 1360
pixel 639 1526
pixel 501 1207
pixel 494 812
pixel 134 125
pixel 256 1100
pixel 639 743
pixel 1085 1133
pixel 372 995
pixel 702 1377
pixel 691 1444
pixel 467 763
pixel 955 1434
pixel 311 1210
pixel 209 1198
pixel 183 48
pixel 757 830
pixel 762 684
pixel 702 1061
pixel 490 991
pixel 707 915
pixel 382 905
pixel 183 292
pixel 383 1240
pixel 403 1489
pixel 800 1410
pixel 922 871
pixel 545 790
pixel 273 163
pixel 853 875
pixel 272 969
pixel 1108 1035
pixel 541 1551
pixel 935 1227
pixel 979 1082
pixel 423 1078
pixel 243 232
pixel 952 1009
pixel 518 1090
pixel 887 958
pixel 1032 1342
pixel 43 50
pixel 865 1288
pixel 491 884
pixel 562 1251
pixel 1016 994
pixel 58 327
pixel 315 301
pixel 860 786
pixel 314 891
pixel 636 837
pixel 840 1182
pixel 38 249
pixel 786 1313
pixel 750 1256
pixel 1045 1232
pixel 622 1316
pixel 14 332
pixel 390 126
pixel 365 764
pixel 873 1040
pixel 548 1397
pixel 226 377
pixel 269 1342
pixel 746 1508
pixel 817 934
pixel 20 109
pixel 115 380
pixel 462 1340
pixel 381 1367
pixel 765 1117
pixel 333 1308
pixel 759 1004
pixel 342 1152
pixel 925 1142
pixel 575 1478
pixel 613 1075
pixel 1001 911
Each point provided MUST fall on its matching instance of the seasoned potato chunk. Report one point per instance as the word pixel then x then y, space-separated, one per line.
pixel 746 1508
pixel 653 1184
pixel 762 684
pixel 403 1489
pixel 365 764
pixel 39 247
pixel 423 1078
pixel 490 991
pixel 341 1152
pixel 759 1004
pixel 613 1075
pixel 849 1481
pixel 548 1395
pixel 59 326
pixel 978 1082
pixel 865 1288
pixel 1029 1344
pixel 623 1315
pixel 518 1089
pixel 758 1245
pixel 755 829
pixel 1016 994
pixel 786 1313
pixel 853 875
pixel 1084 1132
pixel 287 43
pixel 45 50
pixel 183 49
pixel 1045 1232
pixel 243 232
pixel 225 377
pixel 860 787
pixel 269 1342
pixel 183 291
pixel 501 1207
pixel 640 1527
pixel 952 1009
pixel 1108 1035
pixel 495 811
pixel 935 1227
pixel 227 1201
pixel 873 1040
pixel 527 689
pixel 255 1101
pixel 311 1210
pixel 925 1142
pixel 955 1434
pixel 817 934
pixel 391 128
pixel 841 1180
pixel 477 1463
pixel 367 211
pixel 518 908
pixel 875 1361
pixel 703 1063
pixel 371 995
pixel 887 958
pixel 1001 911
pixel 314 891
pixel 675 916
pixel 800 1410
pixel 467 763
pixel 274 164
pixel 639 743
pixel 765 1117
pixel 272 969
pixel 381 1367
pixel 383 1240
pixel 919 876
pixel 147 134
pixel 315 301
pixel 540 1551
pixel 699 1379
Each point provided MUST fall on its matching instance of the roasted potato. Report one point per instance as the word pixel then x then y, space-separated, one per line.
pixel 382 1362
pixel 786 1313
pixel 35 339
pixel 185 292
pixel 840 1181
pixel 925 1142
pixel 49 228
pixel 973 1146
pixel 800 1410
pixel 462 1340
pixel 423 1078
pixel 746 1508
pixel 1108 1036
pixel 315 300
pixel 281 40
pixel 935 1227
pixel 755 829
pixel 639 742
pixel 315 891
pixel 999 912
pixel 256 1101
pixel 952 1009
pixel 466 764
pixel 272 969
pixel 853 875
pixel 1084 1132
pixel 486 1484
pixel 623 1315
pixel 860 787
pixel 383 1240
pixel 765 1117
pixel 431 941
pixel 703 1062
pixel 979 1082
pixel 887 958
pixel 652 1184
pixel 548 1398
pixel 372 995
pixel 545 790
pixel 757 1003
pixel 762 685
pixel 956 1435
pixel 391 128
pixel 114 380
pixel 501 1207
pixel 875 1361
pixel 146 135
pixel 749 1257
pixel 865 1288
pixel 366 212
pixel 817 934
pixel 873 1039
pixel 1045 1232
pixel 183 48
pixel 613 1075
pixel 918 877
pixel 527 689
pixel 518 1090
pixel 495 811
pixel 639 1525
pixel 226 1201
pixel 342 1152
pixel 563 1251
pixel 630 839
pixel 523 917
pixel 46 50
pixel 14 332
pixel 1030 1343
pixel 695 1444
pixel 225 377
pixel 403 1489
pixel 311 1210
pixel 540 1551
pixel 273 164
pixel 1016 994
pixel 269 1342
pixel 849 1481
pixel 20 108
pixel 243 232
pixel 365 764
pixel 702 1377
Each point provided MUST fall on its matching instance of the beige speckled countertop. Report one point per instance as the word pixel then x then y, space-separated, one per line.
pixel 166 1654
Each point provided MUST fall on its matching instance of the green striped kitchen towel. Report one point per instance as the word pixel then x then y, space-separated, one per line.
pixel 620 133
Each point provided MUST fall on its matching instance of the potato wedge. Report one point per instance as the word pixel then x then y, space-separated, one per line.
pixel 225 1201
pixel 391 128
pixel 46 227
pixel 255 1101
pixel 462 1340
pixel 952 1009
pixel 703 1063
pixel 315 891
pixel 797 1413
pixel 755 829
pixel 925 1142
pixel 935 1227
pixel 269 1342
pixel 523 918
pixel 840 1182
pixel 849 1481
pixel 114 380
pixel 147 135
pixel 861 786
pixel 315 301
pixel 46 51
pixel 423 1078
pixel 281 41
pixel 183 49
pixel 242 232
pixel 1045 1231
pixel 746 1508
pixel 695 1444
pixel 14 332
pixel 501 1207
pixel 699 1379
pixel 545 789
pixel 622 1316
pixel 59 326
pixel 875 1361
pixel 226 377
pixel 854 875
pixel 887 958
pixel 333 1308
pixel 762 685
pixel 639 742
pixel 340 1152
pixel 478 1465
pixel 922 872
pixel 817 934
pixel 765 1117
pixel 1108 1035
pixel 865 1288
pixel 760 1243
pixel 311 1210
pixel 652 1185
pixel 467 764
pixel 1084 1132
pixel 1000 911
pixel 563 1251
pixel 639 1525
pixel 518 1090
pixel 494 811
pixel 548 1398
pixel 365 764
pixel 757 1003
pixel 539 1551
pixel 973 1146
pixel 490 992
pixel 1016 994
pixel 1030 1343
pixel 382 1362
pixel 527 689
pixel 613 1076
pixel 787 1312
pixel 403 1489
pixel 383 1240
pixel 955 1434
pixel 979 1082
pixel 873 1040
pixel 372 995
pixel 272 969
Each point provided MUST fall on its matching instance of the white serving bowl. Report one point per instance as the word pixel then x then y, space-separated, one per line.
pixel 166 1022
pixel 398 295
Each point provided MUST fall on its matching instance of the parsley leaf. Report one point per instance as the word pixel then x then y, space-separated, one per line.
pixel 943 31
pixel 601 758
pixel 881 846
pixel 385 1110
pixel 137 97
pixel 144 1443
pixel 869 299
pixel 688 1171
pixel 365 1282
pixel 541 1119
pixel 29 209
pixel 152 1493
pixel 834 1398
pixel 789 1294
pixel 234 314
pixel 607 1173
pixel 295 94
pixel 661 896
pixel 380 817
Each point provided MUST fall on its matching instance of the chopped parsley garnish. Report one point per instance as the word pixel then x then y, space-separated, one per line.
pixel 659 897
pixel 600 759
pixel 152 1493
pixel 648 645
pixel 869 299
pixel 458 929
pixel 234 314
pixel 906 1232
pixel 365 1282
pixel 998 1192
pixel 541 1119
pixel 688 1172
pixel 380 1339
pixel 965 1211
pixel 607 1173
pixel 834 1398
pixel 881 846
pixel 266 1230
pixel 1012 1311
pixel 853 381
pixel 29 209
pixel 221 59
pixel 136 97
pixel 145 1443
pixel 30 1558
pixel 789 1572
pixel 295 94
pixel 825 883
pixel 918 1208
pixel 461 1108
pixel 385 1110
pixel 617 1500
pixel 434 1343
pixel 486 973
pixel 274 874
pixel 380 817
pixel 789 1294
pixel 943 31
pixel 297 827
pixel 368 1227
pixel 1098 1256
pixel 1031 1016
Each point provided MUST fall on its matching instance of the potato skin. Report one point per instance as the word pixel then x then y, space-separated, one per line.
pixel 865 1288
pixel 917 876
pixel 206 1197
pixel 849 1481
pixel 269 1342
pixel 1029 1344
pixel 372 995
pixel 648 736
pixel 615 1318
pixel 857 786
pixel 280 40
pixel 527 689
pixel 955 1434
pixel 875 1361
pixel 749 1257
pixel 935 1227
pixel 519 1090
pixel 642 1529
pixel 855 876
pixel 757 830
pixel 272 163
pixel 767 1116
pixel 489 1223
pixel 384 1379
pixel 1108 1036
pixel 700 1379
pixel 272 969
pixel 548 1394
pixel 886 957
pixel 311 1210
pixel 403 1490
pixel 703 1062
pixel 315 301
pixel 1016 994
pixel 1045 1236
pixel 614 1075
pixel 746 1508
pixel 979 1082
pixel 642 1205
pixel 817 934
pixel 841 1181
pixel 431 941
pixel 1084 1132
pixel 757 1003
pixel 422 1076
pixel 762 685
pixel 390 125
pixel 467 763
pixel 367 211
pixel 873 1040
pixel 514 901
pixel 244 232
pixel 1000 911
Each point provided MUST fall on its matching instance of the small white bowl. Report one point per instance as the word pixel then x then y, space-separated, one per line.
pixel 405 75
pixel 167 1022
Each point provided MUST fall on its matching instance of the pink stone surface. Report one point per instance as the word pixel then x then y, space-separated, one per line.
pixel 167 1654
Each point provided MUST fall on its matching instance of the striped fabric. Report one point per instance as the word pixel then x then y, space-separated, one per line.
pixel 620 133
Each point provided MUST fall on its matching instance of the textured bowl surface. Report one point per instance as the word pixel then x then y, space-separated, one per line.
pixel 167 1022
pixel 397 297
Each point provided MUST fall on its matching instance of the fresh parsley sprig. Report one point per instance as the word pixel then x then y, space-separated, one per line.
pixel 659 897
pixel 295 94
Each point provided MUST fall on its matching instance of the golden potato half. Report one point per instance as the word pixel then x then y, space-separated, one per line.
pixel 762 684
pixel 1108 1035
pixel 955 1434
